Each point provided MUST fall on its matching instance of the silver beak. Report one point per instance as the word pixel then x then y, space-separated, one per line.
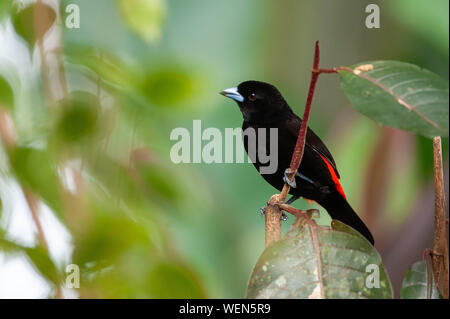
pixel 233 93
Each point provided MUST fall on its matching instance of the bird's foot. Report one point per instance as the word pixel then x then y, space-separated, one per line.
pixel 286 179
pixel 262 212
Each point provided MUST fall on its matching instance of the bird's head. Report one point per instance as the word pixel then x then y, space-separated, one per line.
pixel 257 100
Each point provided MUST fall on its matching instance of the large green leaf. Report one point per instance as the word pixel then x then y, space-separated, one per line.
pixel 400 95
pixel 418 283
pixel 313 261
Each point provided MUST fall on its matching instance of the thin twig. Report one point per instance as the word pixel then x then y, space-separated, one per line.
pixel 440 246
pixel 7 135
pixel 33 205
pixel 273 212
pixel 300 145
pixel 31 198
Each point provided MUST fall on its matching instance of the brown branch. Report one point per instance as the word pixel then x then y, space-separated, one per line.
pixel 300 145
pixel 273 221
pixel 440 246
pixel 7 134
pixel 33 205
pixel 6 130
pixel 273 212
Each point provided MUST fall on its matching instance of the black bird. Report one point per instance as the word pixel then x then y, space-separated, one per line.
pixel 317 179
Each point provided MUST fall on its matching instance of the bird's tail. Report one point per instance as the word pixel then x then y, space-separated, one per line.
pixel 338 208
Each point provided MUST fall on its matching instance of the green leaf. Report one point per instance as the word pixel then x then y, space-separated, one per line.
pixel 79 116
pixel 418 283
pixel 172 280
pixel 32 22
pixel 6 94
pixel 399 95
pixel 44 264
pixel 100 239
pixel 169 86
pixel 35 170
pixel 5 8
pixel 100 65
pixel 313 261
pixel 37 255
pixel 145 17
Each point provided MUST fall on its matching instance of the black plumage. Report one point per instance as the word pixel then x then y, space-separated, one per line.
pixel 263 106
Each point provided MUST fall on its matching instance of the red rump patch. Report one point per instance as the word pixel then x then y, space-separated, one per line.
pixel 334 177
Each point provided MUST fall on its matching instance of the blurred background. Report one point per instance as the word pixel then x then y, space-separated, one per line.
pixel 86 115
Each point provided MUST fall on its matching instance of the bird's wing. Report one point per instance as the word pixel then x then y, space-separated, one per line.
pixel 313 142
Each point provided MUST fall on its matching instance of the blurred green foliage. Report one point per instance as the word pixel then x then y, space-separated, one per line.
pixel 33 21
pixel 6 94
pixel 36 170
pixel 5 8
pixel 142 226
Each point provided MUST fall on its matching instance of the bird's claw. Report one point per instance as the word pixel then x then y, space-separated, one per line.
pixel 287 180
pixel 262 210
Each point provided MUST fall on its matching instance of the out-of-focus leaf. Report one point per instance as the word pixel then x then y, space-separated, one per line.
pixel 79 117
pixel 109 235
pixel 400 95
pixel 157 179
pixel 35 169
pixel 174 280
pixel 145 17
pixel 38 257
pixel 5 8
pixel 119 258
pixel 32 22
pixel 140 275
pixel 117 178
pixel 168 86
pixel 418 283
pixel 7 246
pixel 6 94
pixel 313 261
pixel 105 66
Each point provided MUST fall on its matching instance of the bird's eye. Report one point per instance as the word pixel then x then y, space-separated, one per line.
pixel 252 97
